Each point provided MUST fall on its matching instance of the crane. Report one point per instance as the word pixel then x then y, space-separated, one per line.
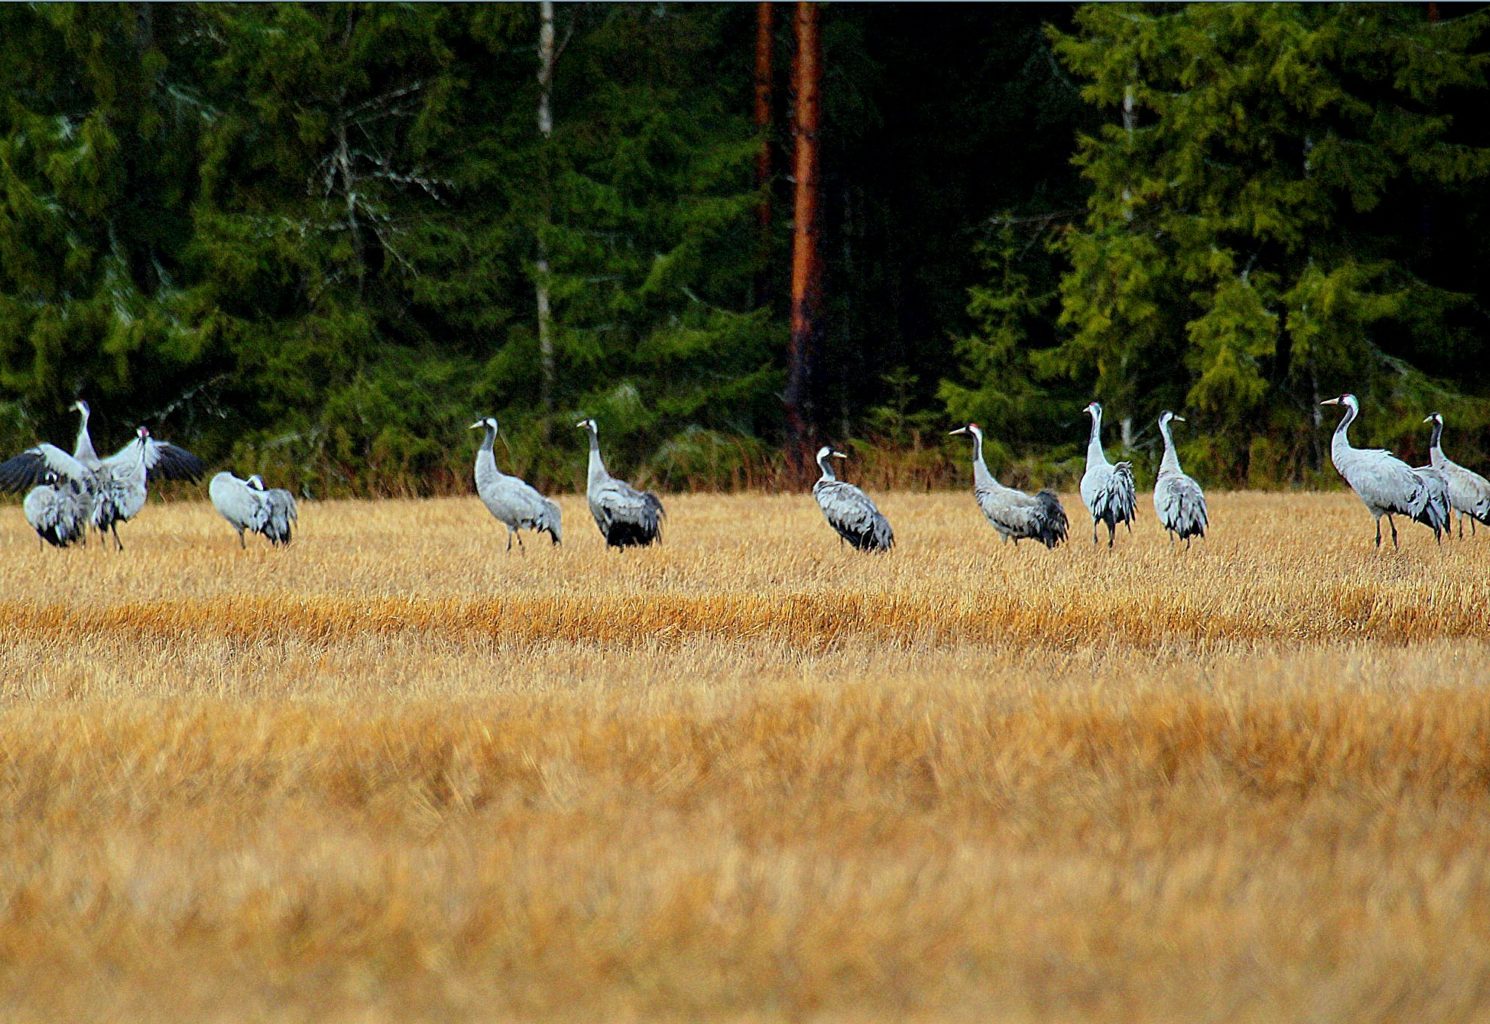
pixel 514 503
pixel 247 505
pixel 280 513
pixel 1387 485
pixel 1014 513
pixel 1469 493
pixel 1178 500
pixel 849 510
pixel 57 510
pixel 1106 489
pixel 626 516
pixel 116 488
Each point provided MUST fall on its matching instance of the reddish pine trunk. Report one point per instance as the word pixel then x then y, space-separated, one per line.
pixel 763 20
pixel 807 270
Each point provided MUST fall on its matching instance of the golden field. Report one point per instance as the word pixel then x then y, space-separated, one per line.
pixel 393 774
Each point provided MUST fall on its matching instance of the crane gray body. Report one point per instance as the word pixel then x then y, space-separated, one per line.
pixel 280 513
pixel 1013 513
pixel 1107 490
pixel 1384 483
pixel 57 510
pixel 1469 493
pixel 248 506
pixel 514 503
pixel 1179 502
pixel 626 516
pixel 849 510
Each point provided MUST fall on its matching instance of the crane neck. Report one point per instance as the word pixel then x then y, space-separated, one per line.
pixel 1340 443
pixel 981 476
pixel 1094 452
pixel 826 467
pixel 489 440
pixel 1171 461
pixel 597 464
pixel 83 450
pixel 1435 446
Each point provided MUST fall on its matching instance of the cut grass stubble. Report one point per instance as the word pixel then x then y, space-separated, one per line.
pixel 393 774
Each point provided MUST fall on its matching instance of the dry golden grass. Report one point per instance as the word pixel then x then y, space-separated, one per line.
pixel 391 774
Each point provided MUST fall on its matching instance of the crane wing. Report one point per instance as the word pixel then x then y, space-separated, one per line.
pixel 163 460
pixel 28 468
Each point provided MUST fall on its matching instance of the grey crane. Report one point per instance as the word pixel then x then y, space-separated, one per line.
pixel 626 516
pixel 83 449
pixel 248 506
pixel 117 487
pixel 280 513
pixel 514 503
pixel 1178 500
pixel 57 510
pixel 1014 513
pixel 1469 493
pixel 849 510
pixel 1387 485
pixel 1107 490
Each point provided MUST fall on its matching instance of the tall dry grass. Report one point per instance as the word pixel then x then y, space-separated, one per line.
pixel 393 774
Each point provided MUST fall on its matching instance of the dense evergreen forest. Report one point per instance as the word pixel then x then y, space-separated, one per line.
pixel 319 241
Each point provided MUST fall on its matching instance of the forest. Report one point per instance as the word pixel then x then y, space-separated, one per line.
pixel 319 241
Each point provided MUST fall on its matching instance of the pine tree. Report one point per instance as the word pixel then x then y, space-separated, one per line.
pixel 1242 247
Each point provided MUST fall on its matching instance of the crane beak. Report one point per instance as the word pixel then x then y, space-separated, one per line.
pixel 583 424
pixel 1330 401
pixel 1178 419
pixel 959 430
pixel 838 455
pixel 1427 419
pixel 475 426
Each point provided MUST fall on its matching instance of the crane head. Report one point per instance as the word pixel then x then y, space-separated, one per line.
pixel 485 423
pixel 255 482
pixel 972 429
pixel 1093 409
pixel 1345 399
pixel 1434 417
pixel 1166 416
pixel 142 432
pixel 80 406
pixel 588 424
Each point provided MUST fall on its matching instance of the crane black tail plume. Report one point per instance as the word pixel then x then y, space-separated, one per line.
pixel 1051 525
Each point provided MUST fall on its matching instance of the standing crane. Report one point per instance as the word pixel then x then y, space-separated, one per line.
pixel 1469 493
pixel 280 514
pixel 626 516
pixel 57 510
pixel 849 510
pixel 247 505
pixel 1014 513
pixel 1106 489
pixel 514 503
pixel 1387 485
pixel 1178 500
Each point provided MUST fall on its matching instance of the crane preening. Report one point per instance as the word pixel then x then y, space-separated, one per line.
pixel 1011 512
pixel 1387 485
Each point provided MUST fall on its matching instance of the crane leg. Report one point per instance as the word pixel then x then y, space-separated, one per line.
pixel 1378 533
pixel 114 529
pixel 1094 533
pixel 242 543
pixel 1187 543
pixel 1111 533
pixel 509 540
pixel 1393 524
pixel 520 549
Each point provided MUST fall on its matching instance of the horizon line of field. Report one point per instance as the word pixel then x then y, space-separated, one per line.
pixel 801 620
